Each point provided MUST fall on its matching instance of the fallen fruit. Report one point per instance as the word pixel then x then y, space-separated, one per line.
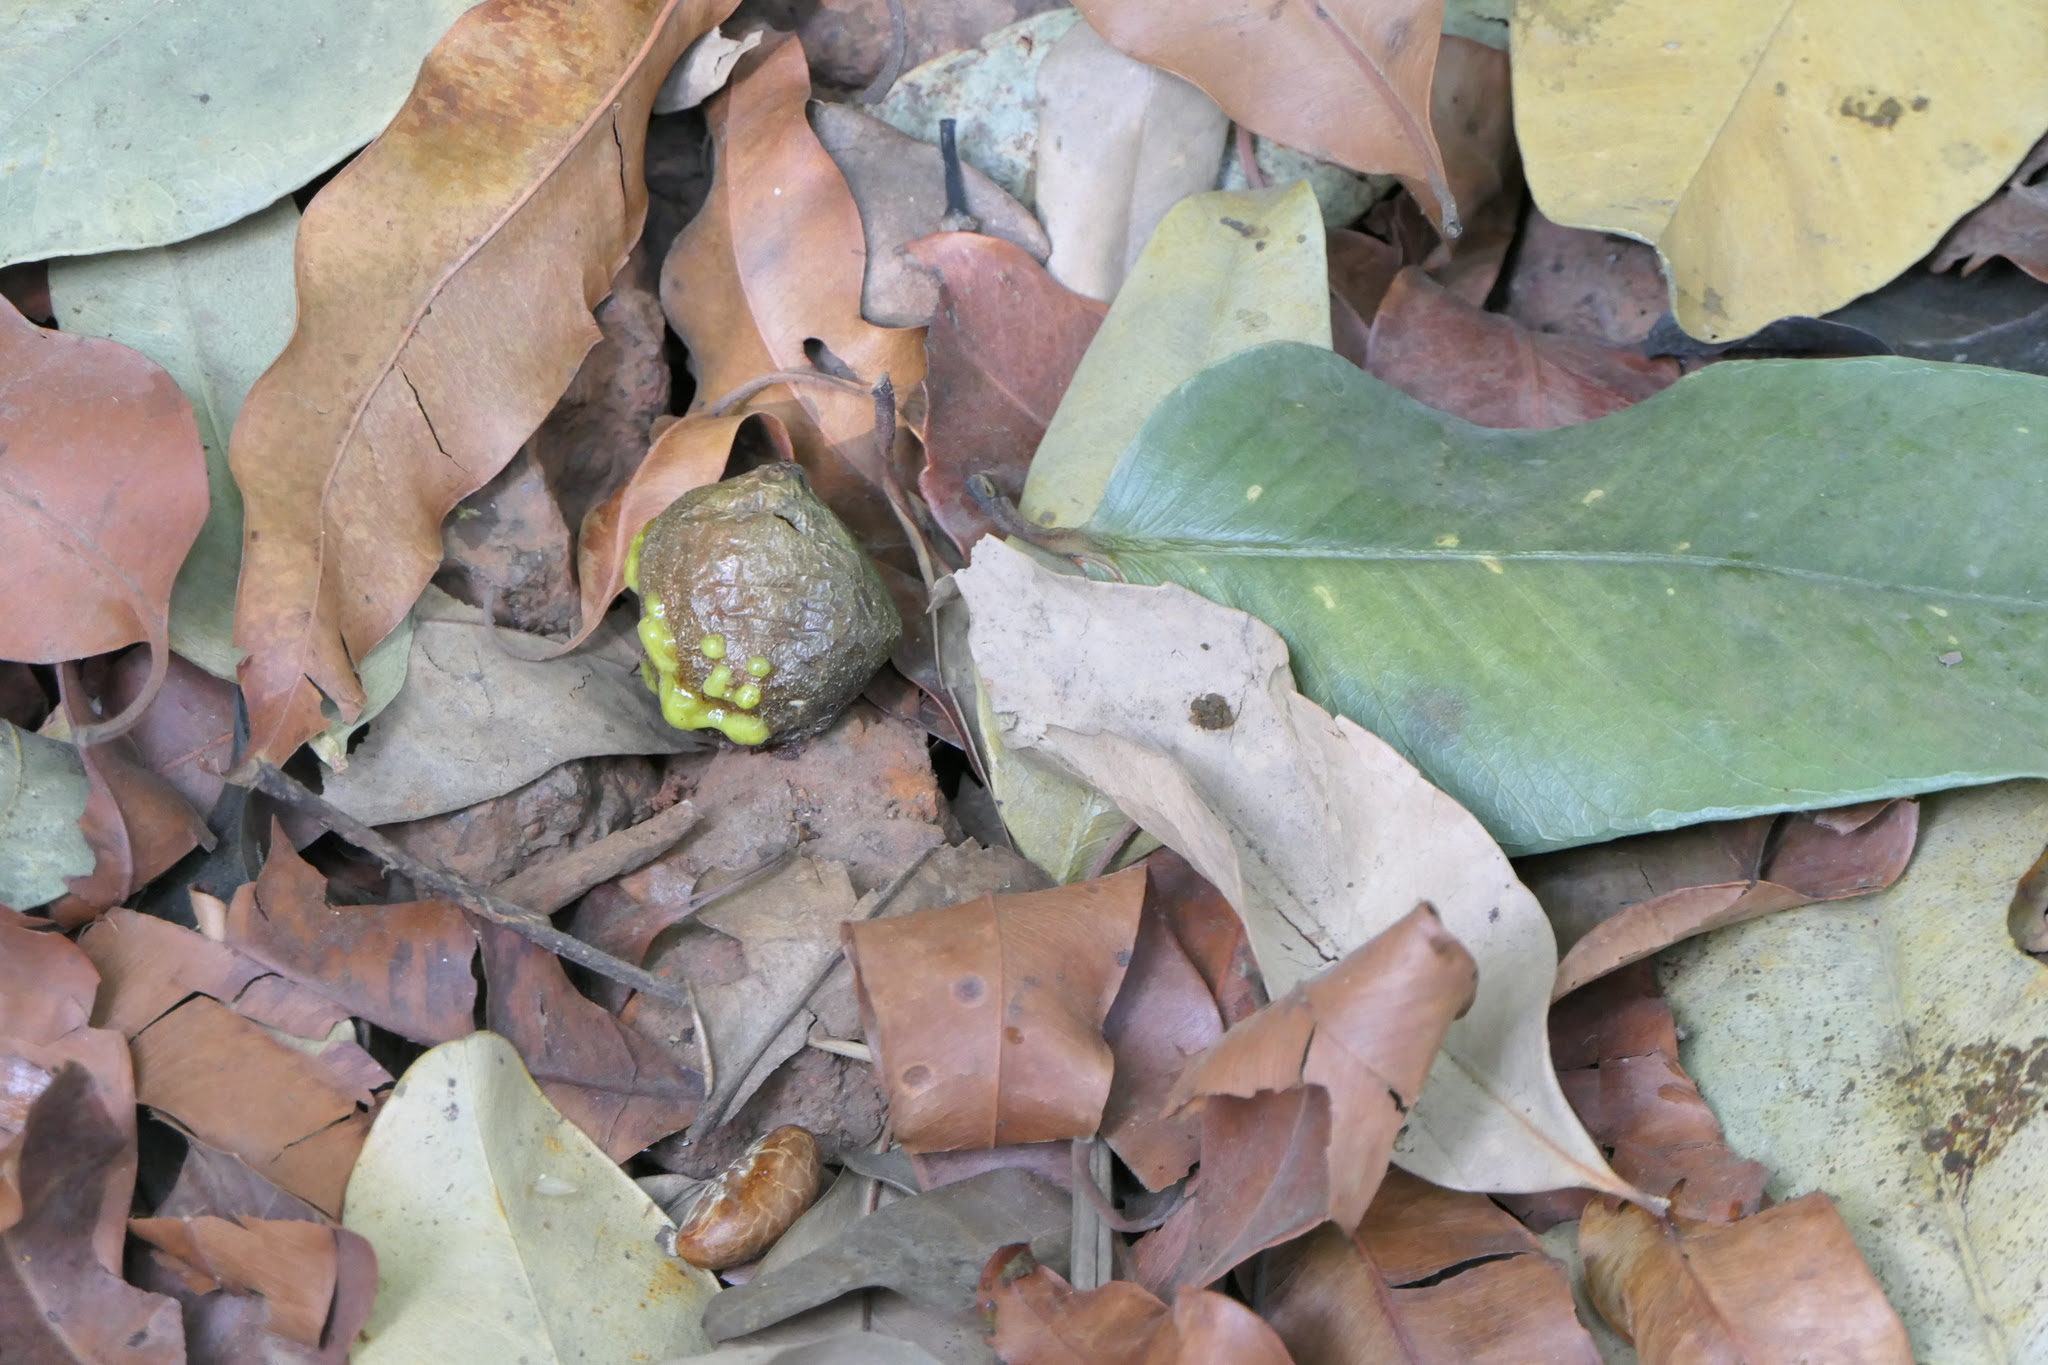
pixel 742 1211
pixel 760 614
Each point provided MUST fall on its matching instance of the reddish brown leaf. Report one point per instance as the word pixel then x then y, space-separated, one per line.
pixel 1362 268
pixel 291 1117
pixel 1209 932
pixel 102 492
pixel 57 1303
pixel 1435 1277
pixel 1040 1319
pixel 1346 80
pixel 770 271
pixel 999 353
pixel 1580 283
pixel 292 1264
pixel 1785 1285
pixel 1472 113
pixel 187 735
pixel 403 967
pixel 611 1081
pixel 2012 224
pixel 1708 876
pixel 986 1018
pixel 1490 371
pixel 148 965
pixel 1163 1017
pixel 509 186
pixel 22 701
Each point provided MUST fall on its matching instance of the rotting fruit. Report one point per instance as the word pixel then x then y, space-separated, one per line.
pixel 760 615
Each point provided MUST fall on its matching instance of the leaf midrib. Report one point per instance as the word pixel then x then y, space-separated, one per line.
pixel 1281 550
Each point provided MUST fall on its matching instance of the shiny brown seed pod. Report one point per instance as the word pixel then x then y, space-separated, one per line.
pixel 752 1202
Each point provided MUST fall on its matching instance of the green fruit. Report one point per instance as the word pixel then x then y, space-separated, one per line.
pixel 785 618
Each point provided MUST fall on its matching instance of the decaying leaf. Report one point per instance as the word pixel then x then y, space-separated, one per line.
pixel 1889 1052
pixel 102 491
pixel 1347 81
pixel 1433 1277
pixel 1528 615
pixel 1493 372
pixel 1621 901
pixel 519 187
pixel 501 1232
pixel 1319 834
pixel 998 355
pixel 1879 129
pixel 1040 1319
pixel 986 1018
pixel 1120 143
pixel 1164 1017
pixel 1784 1284
pixel 57 1303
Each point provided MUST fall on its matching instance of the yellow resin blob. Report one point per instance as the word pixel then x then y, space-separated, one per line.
pixel 662 670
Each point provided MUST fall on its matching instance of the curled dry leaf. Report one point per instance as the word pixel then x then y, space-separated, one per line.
pixel 1164 1016
pixel 1345 81
pixel 57 1302
pixel 986 1018
pixel 743 1210
pixel 1493 372
pixel 1784 1284
pixel 771 269
pixel 102 492
pixel 1342 1056
pixel 293 1264
pixel 187 735
pixel 1040 1319
pixel 507 187
pixel 1707 876
pixel 998 354
pixel 1209 931
pixel 1433 1277
pixel 402 967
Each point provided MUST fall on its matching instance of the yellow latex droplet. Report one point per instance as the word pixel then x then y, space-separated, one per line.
pixel 633 560
pixel 656 637
pixel 746 696
pixel 759 666
pixel 719 684
pixel 712 646
pixel 650 677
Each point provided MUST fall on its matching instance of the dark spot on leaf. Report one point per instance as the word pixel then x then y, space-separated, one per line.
pixel 1867 108
pixel 1013 1034
pixel 1242 229
pixel 917 1077
pixel 1210 712
pixel 1123 957
pixel 968 989
pixel 1989 1091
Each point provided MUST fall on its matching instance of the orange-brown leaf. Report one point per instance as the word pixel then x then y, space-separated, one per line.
pixel 292 1264
pixel 1344 80
pixel 986 1018
pixel 1785 1285
pixel 1163 1018
pixel 445 283
pixel 102 492
pixel 1040 1319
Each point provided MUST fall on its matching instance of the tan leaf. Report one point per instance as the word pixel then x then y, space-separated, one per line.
pixel 445 282
pixel 1040 1319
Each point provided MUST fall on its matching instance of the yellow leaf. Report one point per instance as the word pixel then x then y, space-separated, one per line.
pixel 1784 156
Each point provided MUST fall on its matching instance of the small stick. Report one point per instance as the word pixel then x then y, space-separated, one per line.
pixel 703 1040
pixel 709 1119
pixel 956 218
pixel 534 928
pixel 1074 545
pixel 885 449
pixel 878 89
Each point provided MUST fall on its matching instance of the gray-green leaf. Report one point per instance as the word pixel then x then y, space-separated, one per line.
pixel 1777 585
pixel 42 793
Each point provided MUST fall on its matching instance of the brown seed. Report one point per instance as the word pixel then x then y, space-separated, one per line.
pixel 752 1202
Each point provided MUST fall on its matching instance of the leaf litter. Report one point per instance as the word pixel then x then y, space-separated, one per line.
pixel 707 963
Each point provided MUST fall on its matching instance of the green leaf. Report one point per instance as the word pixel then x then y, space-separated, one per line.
pixel 214 312
pixel 383 672
pixel 43 790
pixel 1891 1053
pixel 1223 272
pixel 1777 585
pixel 503 1233
pixel 133 123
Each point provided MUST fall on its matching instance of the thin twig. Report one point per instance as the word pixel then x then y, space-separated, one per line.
pixel 703 1040
pixel 884 394
pixel 878 89
pixel 1074 545
pixel 709 1119
pixel 728 402
pixel 1107 858
pixel 956 218
pixel 529 926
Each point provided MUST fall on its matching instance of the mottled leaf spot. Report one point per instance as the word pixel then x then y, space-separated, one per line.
pixel 1211 712
pixel 968 989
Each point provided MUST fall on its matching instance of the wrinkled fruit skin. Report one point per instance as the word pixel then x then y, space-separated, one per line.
pixel 747 1207
pixel 760 615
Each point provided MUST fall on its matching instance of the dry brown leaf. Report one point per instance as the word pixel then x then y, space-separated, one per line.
pixel 148 966
pixel 770 271
pixel 986 1018
pixel 1163 1018
pixel 999 353
pixel 187 735
pixel 102 492
pixel 1210 933
pixel 445 283
pixel 56 1302
pixel 402 967
pixel 618 1086
pixel 1345 80
pixel 292 1264
pixel 1434 1277
pixel 1707 876
pixel 1487 369
pixel 1040 1319
pixel 1786 1285
pixel 2013 223
pixel 1595 285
